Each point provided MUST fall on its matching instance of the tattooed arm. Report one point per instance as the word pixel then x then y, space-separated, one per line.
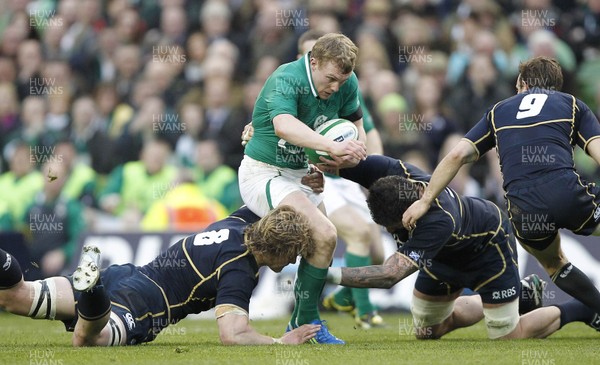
pixel 394 269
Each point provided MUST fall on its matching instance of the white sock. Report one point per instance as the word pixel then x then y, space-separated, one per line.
pixel 334 275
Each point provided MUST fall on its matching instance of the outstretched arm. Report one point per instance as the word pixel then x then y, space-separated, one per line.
pixel 464 152
pixel 235 329
pixel 394 269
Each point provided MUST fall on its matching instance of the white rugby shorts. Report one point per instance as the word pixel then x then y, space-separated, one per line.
pixel 341 192
pixel 264 186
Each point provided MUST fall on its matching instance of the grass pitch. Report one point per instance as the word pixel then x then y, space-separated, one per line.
pixel 27 341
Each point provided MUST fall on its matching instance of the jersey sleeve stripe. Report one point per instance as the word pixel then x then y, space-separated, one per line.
pixel 409 259
pixel 474 144
pixel 588 141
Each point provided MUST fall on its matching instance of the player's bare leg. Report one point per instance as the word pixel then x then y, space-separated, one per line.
pixel 551 258
pixel 469 310
pixel 353 229
pixel 51 298
pixel 539 323
pixel 324 234
pixel 377 252
pixel 312 271
pixel 542 322
pixel 566 275
pixel 90 333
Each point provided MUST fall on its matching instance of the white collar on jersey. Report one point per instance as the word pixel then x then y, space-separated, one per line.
pixel 309 74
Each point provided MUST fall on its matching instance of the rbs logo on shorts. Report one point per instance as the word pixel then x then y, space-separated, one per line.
pixel 503 294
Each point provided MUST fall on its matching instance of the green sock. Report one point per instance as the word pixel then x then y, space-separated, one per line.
pixel 360 295
pixel 343 296
pixel 309 284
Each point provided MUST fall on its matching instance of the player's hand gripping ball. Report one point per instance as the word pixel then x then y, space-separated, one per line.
pixel 337 130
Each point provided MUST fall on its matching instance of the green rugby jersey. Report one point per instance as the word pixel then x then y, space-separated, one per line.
pixel 290 90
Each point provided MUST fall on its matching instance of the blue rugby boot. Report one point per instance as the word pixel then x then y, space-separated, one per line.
pixel 324 337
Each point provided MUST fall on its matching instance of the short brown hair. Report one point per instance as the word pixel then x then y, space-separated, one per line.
pixel 336 48
pixel 541 72
pixel 309 35
pixel 282 232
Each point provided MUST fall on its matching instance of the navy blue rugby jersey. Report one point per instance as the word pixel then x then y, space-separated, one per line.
pixel 455 231
pixel 207 269
pixel 535 133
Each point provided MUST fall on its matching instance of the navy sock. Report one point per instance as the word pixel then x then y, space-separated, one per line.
pixel 94 303
pixel 575 311
pixel 575 283
pixel 10 270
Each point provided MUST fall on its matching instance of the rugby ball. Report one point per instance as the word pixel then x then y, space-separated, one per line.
pixel 337 130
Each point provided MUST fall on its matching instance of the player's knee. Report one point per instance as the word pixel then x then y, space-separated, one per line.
pixel 326 235
pixel 428 317
pixel 364 234
pixel 358 234
pixel 501 321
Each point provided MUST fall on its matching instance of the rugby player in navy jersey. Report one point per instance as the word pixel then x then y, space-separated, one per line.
pixel 462 242
pixel 535 133
pixel 127 305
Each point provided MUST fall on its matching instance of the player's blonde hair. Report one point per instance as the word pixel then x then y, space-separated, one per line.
pixel 336 48
pixel 282 232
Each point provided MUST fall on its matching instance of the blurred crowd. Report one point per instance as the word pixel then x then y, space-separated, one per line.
pixel 126 115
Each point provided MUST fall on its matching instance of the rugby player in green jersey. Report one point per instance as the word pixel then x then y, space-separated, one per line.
pixel 346 206
pixel 295 100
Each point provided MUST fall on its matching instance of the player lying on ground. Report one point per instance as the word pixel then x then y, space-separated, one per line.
pixel 462 242
pixel 127 305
